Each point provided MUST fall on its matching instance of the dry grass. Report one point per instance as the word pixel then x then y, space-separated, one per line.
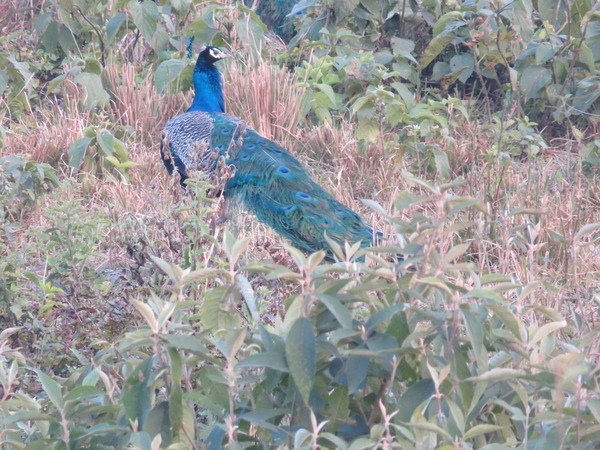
pixel 266 96
pixel 541 244
pixel 137 105
pixel 46 135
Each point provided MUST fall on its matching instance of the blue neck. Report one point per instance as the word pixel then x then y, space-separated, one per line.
pixel 208 89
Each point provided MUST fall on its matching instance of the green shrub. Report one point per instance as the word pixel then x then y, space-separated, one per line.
pixel 368 354
pixel 22 184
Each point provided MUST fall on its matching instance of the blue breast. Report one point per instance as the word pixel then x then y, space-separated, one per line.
pixel 208 91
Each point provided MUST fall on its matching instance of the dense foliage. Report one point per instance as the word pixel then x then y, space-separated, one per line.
pixel 196 343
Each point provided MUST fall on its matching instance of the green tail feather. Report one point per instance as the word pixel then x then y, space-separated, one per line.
pixel 274 186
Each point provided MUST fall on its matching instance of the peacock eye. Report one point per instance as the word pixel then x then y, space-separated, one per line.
pixel 225 131
pixel 283 170
pixel 303 196
pixel 245 157
pixel 250 146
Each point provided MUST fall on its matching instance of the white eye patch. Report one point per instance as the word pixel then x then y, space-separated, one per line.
pixel 216 53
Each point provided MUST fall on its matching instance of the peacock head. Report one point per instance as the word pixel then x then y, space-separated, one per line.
pixel 210 55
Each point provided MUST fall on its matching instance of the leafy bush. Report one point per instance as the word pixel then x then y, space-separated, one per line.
pixel 23 183
pixel 367 354
pixel 99 151
pixel 538 60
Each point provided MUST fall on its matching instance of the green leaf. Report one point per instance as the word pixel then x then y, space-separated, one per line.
pixel 188 343
pixel 544 52
pixel 437 45
pixel 448 23
pixel 356 372
pixel 114 25
pixel 383 315
pixel 137 392
pixel 498 374
pixel 415 395
pixel 579 9
pixel 247 293
pixel 480 429
pixel 404 48
pixel 4 79
pixel 66 39
pixel 533 79
pixel 463 66
pixel 367 130
pixel 474 326
pixel 301 355
pixel 23 69
pixel 344 8
pixel 49 39
pixel 77 151
pixel 158 423
pixel 338 404
pixel 395 112
pixel 78 393
pixel 232 343
pixel 42 21
pixel 95 93
pixel 181 6
pixel 106 141
pixel 588 91
pixel 25 416
pixel 507 318
pixel 551 11
pixel 546 330
pixel 200 30
pixel 587 229
pixel 431 427
pixel 144 15
pixel 176 396
pixel 92 65
pixel 167 72
pixel 52 389
pixel 405 199
pixel 273 360
pixel 328 91
pixel 442 164
pixel 336 308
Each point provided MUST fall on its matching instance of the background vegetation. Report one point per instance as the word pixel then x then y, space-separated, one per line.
pixel 130 320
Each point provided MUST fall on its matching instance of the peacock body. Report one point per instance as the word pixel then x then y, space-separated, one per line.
pixel 267 180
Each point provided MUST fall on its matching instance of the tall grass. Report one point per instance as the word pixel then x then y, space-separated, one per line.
pixel 266 96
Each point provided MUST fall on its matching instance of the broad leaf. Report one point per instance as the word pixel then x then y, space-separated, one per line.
pixel 301 355
pixel 77 151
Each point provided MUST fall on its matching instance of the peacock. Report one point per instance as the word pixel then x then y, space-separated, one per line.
pixel 276 15
pixel 265 179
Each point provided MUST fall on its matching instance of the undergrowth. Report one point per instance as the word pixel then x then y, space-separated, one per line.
pixel 131 317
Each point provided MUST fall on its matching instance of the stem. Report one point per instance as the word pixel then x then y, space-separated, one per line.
pixel 401 30
pixel 102 47
pixel 385 384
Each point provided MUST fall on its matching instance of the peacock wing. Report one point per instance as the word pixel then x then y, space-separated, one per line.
pixel 275 186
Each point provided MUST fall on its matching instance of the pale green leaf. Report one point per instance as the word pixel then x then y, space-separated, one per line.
pixel 301 356
pixel 52 389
